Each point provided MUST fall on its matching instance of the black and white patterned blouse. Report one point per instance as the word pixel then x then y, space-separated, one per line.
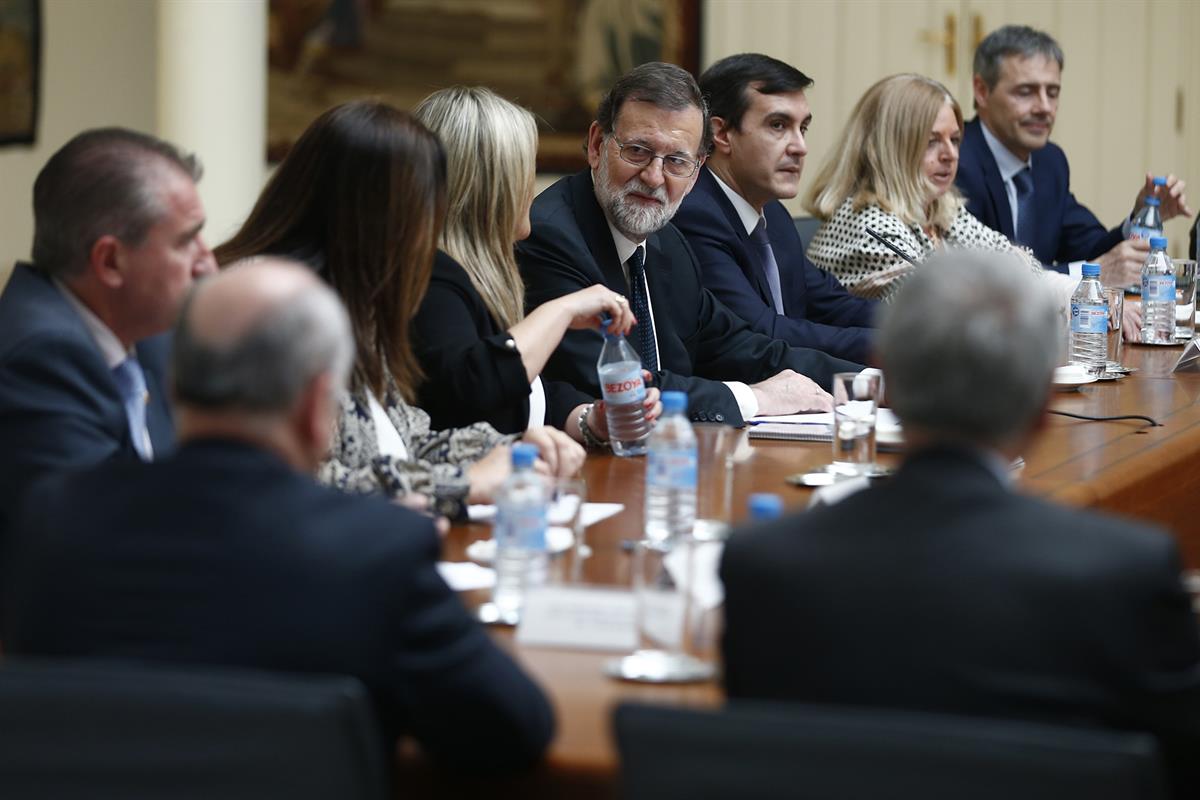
pixel 436 460
pixel 869 269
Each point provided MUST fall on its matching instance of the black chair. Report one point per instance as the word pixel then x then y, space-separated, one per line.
pixel 836 753
pixel 806 227
pixel 84 729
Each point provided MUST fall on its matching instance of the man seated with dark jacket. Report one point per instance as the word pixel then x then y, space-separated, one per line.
pixel 945 589
pixel 228 553
pixel 751 257
pixel 611 225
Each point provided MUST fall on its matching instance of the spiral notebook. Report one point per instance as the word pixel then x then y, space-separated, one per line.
pixel 819 428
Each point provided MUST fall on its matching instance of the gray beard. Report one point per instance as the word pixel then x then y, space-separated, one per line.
pixel 634 222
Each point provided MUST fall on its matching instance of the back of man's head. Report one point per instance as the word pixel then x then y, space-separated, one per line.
pixel 252 340
pixel 1021 41
pixel 726 84
pixel 968 347
pixel 106 181
pixel 663 85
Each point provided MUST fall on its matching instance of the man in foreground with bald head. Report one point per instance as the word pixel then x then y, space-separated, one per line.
pixel 228 552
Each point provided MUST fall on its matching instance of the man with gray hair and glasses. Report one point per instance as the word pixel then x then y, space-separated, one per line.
pixel 229 553
pixel 611 224
pixel 116 245
pixel 1018 182
pixel 946 588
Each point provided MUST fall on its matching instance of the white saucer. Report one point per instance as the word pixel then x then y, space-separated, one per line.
pixel 558 540
pixel 1070 378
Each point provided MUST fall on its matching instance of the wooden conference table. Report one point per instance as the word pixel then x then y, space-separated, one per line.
pixel 1127 467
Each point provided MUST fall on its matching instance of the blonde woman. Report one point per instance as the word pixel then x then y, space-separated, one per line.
pixel 481 353
pixel 893 173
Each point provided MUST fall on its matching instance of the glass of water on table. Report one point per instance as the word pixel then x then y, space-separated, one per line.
pixel 855 406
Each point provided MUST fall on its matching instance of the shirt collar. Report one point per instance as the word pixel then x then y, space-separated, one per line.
pixel 110 346
pixel 744 210
pixel 1008 163
pixel 624 245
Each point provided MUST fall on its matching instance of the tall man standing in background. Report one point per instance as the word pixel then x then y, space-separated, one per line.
pixel 1018 182
pixel 751 257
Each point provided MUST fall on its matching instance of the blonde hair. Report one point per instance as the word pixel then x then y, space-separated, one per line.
pixel 491 148
pixel 878 160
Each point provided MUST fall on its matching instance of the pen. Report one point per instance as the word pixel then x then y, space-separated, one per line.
pixel 883 241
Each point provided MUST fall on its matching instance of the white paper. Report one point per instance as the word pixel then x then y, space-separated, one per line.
pixel 706 587
pixel 592 512
pixel 578 618
pixel 557 540
pixel 885 419
pixel 465 576
pixel 837 492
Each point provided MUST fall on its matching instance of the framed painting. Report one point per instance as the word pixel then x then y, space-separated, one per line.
pixel 20 47
pixel 555 57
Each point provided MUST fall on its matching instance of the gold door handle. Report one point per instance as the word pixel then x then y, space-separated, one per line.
pixel 948 39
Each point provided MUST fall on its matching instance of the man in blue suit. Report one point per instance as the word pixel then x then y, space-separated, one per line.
pixel 1017 182
pixel 82 364
pixel 227 552
pixel 751 256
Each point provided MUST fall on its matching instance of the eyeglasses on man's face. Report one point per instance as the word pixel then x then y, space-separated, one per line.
pixel 640 156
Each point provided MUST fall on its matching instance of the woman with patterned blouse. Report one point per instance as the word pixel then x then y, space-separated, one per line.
pixel 893 173
pixel 361 198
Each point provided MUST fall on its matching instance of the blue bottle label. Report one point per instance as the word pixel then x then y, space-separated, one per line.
pixel 1089 318
pixel 523 527
pixel 1142 232
pixel 1158 288
pixel 674 469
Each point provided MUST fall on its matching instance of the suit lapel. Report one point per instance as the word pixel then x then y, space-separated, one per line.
pixel 757 273
pixel 596 234
pixel 991 178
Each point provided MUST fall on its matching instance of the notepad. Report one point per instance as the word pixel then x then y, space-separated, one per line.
pixel 819 428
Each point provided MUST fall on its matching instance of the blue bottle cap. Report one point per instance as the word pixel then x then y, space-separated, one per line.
pixel 1158 241
pixel 674 402
pixel 523 455
pixel 765 506
pixel 1160 180
pixel 1091 270
pixel 1153 201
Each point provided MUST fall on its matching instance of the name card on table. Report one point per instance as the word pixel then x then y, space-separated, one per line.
pixel 578 618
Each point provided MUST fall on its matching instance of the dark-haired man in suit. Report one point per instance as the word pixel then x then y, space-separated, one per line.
pixel 228 553
pixel 611 224
pixel 751 257
pixel 946 588
pixel 1018 182
pixel 116 244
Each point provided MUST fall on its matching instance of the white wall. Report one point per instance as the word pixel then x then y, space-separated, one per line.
pixel 98 68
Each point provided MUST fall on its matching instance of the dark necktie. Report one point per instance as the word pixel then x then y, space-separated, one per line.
pixel 770 266
pixel 643 332
pixel 1023 181
pixel 131 383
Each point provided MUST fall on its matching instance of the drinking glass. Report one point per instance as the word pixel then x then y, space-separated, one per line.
pixel 1114 296
pixel 667 616
pixel 855 403
pixel 1185 299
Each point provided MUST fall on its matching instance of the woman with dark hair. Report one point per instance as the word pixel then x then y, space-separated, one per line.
pixel 481 350
pixel 361 197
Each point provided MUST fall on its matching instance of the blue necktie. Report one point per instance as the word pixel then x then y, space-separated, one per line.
pixel 767 255
pixel 131 383
pixel 1023 181
pixel 643 332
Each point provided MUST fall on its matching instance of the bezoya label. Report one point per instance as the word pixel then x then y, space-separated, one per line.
pixel 1158 288
pixel 1089 318
pixel 671 469
pixel 626 387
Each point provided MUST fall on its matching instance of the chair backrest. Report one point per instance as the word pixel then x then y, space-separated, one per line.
pixel 85 729
pixel 835 753
pixel 807 228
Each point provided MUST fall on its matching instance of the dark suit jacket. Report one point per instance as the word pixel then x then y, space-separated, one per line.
pixel 944 590
pixel 59 405
pixel 223 555
pixel 818 312
pixel 700 341
pixel 472 374
pixel 1066 231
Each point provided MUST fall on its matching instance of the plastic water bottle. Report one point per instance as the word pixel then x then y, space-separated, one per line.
pixel 520 534
pixel 1148 220
pixel 1158 295
pixel 765 506
pixel 624 392
pixel 671 473
pixel 1089 322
